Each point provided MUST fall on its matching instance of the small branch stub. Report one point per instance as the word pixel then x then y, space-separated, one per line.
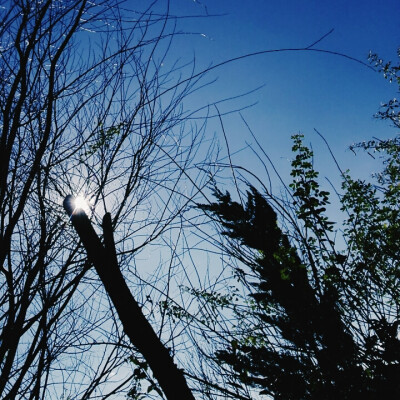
pixel 68 204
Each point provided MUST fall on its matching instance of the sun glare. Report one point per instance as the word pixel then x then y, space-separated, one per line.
pixel 81 203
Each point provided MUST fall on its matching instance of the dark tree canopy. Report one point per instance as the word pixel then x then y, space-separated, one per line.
pixel 322 316
pixel 313 353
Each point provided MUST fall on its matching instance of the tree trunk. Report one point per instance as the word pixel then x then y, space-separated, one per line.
pixel 136 326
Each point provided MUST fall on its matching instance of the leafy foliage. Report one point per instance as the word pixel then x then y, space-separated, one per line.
pixel 325 323
pixel 389 110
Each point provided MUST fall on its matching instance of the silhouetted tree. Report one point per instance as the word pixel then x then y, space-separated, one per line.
pixel 321 319
pixel 303 342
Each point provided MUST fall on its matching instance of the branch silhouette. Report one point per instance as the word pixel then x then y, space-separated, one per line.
pixel 135 324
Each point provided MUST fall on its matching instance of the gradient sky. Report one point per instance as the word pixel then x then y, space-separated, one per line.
pixel 302 90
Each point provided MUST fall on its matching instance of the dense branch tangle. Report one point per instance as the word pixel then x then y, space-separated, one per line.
pixel 80 112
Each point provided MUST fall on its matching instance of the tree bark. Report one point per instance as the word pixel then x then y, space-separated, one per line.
pixel 135 324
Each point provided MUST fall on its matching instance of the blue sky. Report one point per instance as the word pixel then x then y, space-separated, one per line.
pixel 301 91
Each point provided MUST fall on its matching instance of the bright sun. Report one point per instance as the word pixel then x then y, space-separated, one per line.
pixel 81 203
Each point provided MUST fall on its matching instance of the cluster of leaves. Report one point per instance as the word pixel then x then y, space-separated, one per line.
pixel 141 373
pixel 311 200
pixel 214 298
pixel 391 72
pixel 309 203
pixel 210 301
pixel 173 310
pixel 391 109
pixel 104 138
